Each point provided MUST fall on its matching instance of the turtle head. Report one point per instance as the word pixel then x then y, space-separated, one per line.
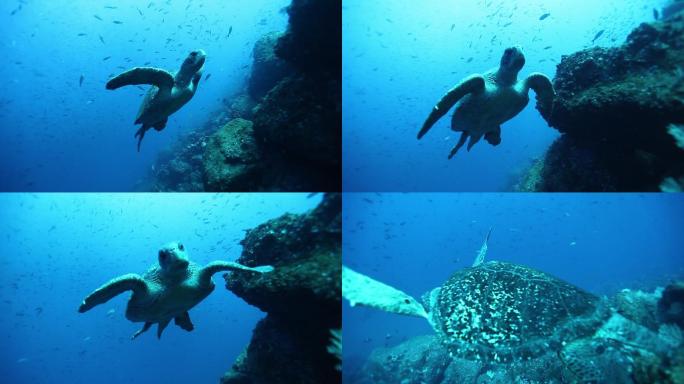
pixel 191 66
pixel 172 257
pixel 512 60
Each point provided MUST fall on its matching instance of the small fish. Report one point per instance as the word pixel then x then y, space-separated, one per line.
pixel 16 10
pixel 117 22
pixel 230 30
pixel 101 39
pixel 207 77
pixel 656 15
pixel 599 34
pixel 548 47
pixel 80 81
pixel 106 58
pixel 470 60
pixel 544 16
pixel 97 17
pixel 573 243
pixel 139 11
pixel 110 7
pixel 452 27
pixel 82 34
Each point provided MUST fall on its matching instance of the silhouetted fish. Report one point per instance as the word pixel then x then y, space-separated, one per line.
pixel 599 34
pixel 16 10
pixel 207 77
pixel 117 22
pixel 139 11
pixel 453 26
pixel 544 16
pixel 97 17
pixel 656 15
pixel 230 30
pixel 106 58
pixel 101 39
pixel 80 81
pixel 110 7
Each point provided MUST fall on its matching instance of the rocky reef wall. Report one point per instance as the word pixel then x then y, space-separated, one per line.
pixel 614 108
pixel 302 298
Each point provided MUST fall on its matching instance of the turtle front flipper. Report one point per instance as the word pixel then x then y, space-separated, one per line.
pixel 471 84
pixel 362 290
pixel 113 288
pixel 543 88
pixel 184 322
pixel 218 266
pixel 142 75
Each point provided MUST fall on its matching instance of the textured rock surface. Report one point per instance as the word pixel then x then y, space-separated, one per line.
pixel 292 121
pixel 231 158
pixel 301 296
pixel 267 68
pixel 613 107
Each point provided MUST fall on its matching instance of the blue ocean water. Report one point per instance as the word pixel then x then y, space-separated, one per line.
pixel 400 57
pixel 414 242
pixel 57 248
pixel 58 135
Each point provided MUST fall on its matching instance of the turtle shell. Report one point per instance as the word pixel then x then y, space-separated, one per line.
pixel 505 312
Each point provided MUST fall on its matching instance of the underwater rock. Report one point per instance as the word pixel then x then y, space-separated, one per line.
pixel 613 107
pixel 638 306
pixel 297 118
pixel 313 40
pixel 671 304
pixel 302 298
pixel 267 68
pixel 241 107
pixel 231 157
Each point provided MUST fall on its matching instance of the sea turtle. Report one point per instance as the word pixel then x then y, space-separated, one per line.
pixel 492 312
pixel 167 291
pixel 169 91
pixel 491 99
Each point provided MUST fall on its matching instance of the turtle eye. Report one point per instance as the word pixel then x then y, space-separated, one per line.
pixel 181 247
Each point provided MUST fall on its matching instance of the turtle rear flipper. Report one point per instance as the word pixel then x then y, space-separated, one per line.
pixel 141 330
pixel 140 133
pixel 184 322
pixel 362 290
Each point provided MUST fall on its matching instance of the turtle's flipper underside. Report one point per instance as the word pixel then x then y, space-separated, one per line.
pixel 113 288
pixel 362 290
pixel 142 75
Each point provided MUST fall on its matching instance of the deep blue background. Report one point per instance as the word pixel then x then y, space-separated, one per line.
pixel 57 136
pixel 57 248
pixel 400 57
pixel 414 242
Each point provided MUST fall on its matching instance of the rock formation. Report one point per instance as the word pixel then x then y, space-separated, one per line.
pixel 613 108
pixel 301 298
